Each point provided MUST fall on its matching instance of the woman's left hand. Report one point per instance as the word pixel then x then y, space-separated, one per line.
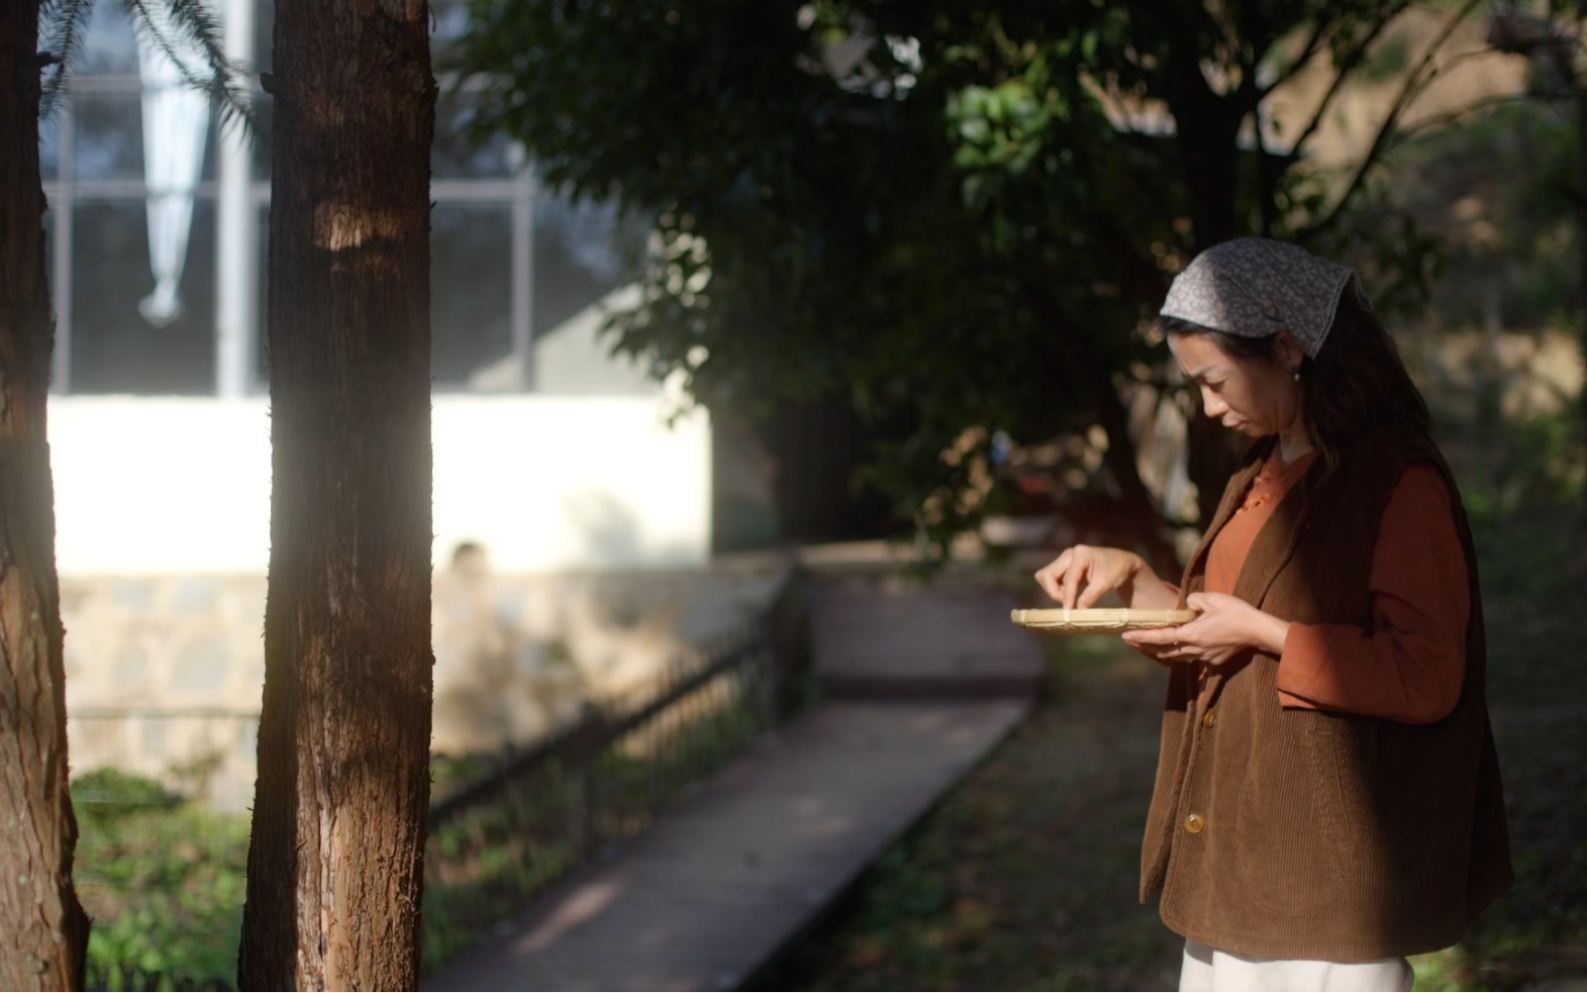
pixel 1227 626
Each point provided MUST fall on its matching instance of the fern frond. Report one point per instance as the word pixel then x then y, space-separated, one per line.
pixel 62 24
pixel 194 20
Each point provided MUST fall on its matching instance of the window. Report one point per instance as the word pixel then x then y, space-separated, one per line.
pixel 158 231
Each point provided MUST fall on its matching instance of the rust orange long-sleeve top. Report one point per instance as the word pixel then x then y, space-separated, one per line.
pixel 1410 666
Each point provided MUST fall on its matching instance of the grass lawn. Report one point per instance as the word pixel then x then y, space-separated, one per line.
pixel 1025 877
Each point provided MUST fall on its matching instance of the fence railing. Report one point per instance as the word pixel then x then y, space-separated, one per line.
pixel 501 838
pixel 202 752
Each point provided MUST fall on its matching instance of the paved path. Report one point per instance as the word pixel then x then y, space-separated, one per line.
pixel 718 885
pixel 951 643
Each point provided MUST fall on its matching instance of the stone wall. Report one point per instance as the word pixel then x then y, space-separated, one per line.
pixel 164 673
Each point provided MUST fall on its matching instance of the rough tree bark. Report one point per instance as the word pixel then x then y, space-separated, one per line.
pixel 1580 93
pixel 43 931
pixel 335 863
pixel 1207 126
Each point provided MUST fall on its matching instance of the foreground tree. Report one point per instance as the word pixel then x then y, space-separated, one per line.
pixel 43 931
pixel 334 866
pixel 953 218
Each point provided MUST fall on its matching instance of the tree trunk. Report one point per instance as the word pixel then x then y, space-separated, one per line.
pixel 1581 215
pixel 335 863
pixel 1138 512
pixel 43 931
pixel 1122 460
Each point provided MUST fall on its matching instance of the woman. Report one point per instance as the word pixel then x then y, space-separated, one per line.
pixel 1328 797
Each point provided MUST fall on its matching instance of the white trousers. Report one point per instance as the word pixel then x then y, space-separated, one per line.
pixel 1207 968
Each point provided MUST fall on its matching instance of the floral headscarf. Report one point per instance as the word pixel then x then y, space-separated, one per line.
pixel 1256 287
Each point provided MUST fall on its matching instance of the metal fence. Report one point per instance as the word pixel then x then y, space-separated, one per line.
pixel 496 837
pixel 498 840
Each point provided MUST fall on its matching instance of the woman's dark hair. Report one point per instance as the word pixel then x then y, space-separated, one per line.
pixel 1356 386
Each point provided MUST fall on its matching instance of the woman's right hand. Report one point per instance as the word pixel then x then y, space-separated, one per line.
pixel 1082 575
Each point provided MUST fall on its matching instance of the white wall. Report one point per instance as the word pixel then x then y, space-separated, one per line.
pixel 162 486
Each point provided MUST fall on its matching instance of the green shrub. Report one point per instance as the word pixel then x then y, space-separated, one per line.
pixel 163 880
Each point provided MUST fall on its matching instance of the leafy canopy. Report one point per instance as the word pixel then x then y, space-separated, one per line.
pixel 951 215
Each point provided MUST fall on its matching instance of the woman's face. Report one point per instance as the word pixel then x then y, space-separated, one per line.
pixel 1253 397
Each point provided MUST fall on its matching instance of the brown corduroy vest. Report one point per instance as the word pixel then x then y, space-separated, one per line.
pixel 1301 834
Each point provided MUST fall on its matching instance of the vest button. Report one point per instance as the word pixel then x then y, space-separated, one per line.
pixel 1195 824
pixel 1209 718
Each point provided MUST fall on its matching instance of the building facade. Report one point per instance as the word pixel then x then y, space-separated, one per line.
pixel 564 465
pixel 157 240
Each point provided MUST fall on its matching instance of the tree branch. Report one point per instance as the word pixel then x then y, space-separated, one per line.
pixel 1250 105
pixel 1151 285
pixel 68 22
pixel 1415 83
pixel 1476 106
pixel 1137 506
pixel 1347 65
pixel 1313 45
pixel 1267 181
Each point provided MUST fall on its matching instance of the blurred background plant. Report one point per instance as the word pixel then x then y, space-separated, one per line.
pixel 952 223
pixel 162 879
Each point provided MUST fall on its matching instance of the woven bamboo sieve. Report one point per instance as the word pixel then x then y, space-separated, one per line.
pixel 1113 620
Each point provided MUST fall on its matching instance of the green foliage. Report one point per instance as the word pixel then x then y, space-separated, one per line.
pixel 948 216
pixel 163 880
pixel 1524 502
pixel 482 870
pixel 1493 190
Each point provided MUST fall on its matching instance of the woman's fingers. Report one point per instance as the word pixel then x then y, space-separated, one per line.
pixel 1154 636
pixel 1061 578
pixel 1091 594
pixel 1047 576
pixel 1158 644
pixel 1073 576
pixel 1082 575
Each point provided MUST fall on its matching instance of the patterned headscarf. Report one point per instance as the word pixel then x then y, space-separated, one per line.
pixel 1255 287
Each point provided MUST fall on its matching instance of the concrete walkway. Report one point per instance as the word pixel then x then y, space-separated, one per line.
pixel 721 883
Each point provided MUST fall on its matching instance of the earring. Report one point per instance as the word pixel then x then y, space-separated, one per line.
pixel 1296 373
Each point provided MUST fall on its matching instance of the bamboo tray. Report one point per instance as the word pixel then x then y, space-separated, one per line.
pixel 1058 620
